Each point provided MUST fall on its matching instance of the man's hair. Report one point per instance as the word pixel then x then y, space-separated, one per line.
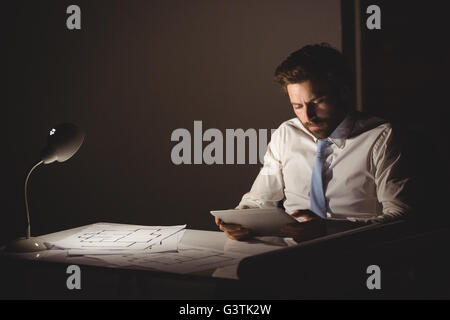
pixel 319 63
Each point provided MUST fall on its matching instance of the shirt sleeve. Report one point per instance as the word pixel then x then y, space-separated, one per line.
pixel 390 178
pixel 268 188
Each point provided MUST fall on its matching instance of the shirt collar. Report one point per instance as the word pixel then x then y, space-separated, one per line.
pixel 342 131
pixel 340 134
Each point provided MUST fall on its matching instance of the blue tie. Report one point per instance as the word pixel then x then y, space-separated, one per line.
pixel 317 196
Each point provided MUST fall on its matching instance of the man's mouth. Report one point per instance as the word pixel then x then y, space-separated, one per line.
pixel 314 126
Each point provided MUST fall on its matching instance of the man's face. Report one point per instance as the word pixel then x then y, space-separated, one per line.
pixel 319 113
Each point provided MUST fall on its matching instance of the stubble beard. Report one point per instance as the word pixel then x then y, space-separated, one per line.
pixel 321 133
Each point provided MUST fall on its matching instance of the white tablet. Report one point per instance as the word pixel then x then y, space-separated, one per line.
pixel 261 222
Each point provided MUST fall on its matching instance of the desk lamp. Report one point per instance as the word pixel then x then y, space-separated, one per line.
pixel 63 142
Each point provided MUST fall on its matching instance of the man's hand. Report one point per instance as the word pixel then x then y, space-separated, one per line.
pixel 312 227
pixel 234 231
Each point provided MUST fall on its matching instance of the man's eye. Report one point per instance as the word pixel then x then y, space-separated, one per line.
pixel 320 100
pixel 298 106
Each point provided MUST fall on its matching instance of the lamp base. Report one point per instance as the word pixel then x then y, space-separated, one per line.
pixel 22 245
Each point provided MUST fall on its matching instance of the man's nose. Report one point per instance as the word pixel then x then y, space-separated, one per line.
pixel 310 112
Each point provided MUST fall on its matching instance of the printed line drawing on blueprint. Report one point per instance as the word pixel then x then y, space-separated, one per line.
pixel 127 237
pixel 142 238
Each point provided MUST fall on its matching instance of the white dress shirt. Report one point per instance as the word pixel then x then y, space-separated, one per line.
pixel 361 173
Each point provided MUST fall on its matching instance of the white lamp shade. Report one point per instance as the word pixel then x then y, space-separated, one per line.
pixel 63 142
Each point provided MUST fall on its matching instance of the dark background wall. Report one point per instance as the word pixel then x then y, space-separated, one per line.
pixel 406 64
pixel 136 71
pixel 405 73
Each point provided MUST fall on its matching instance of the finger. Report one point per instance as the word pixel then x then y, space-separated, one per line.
pixel 306 215
pixel 229 227
pixel 296 213
pixel 218 221
pixel 309 214
pixel 242 207
pixel 237 238
pixel 240 232
pixel 221 227
pixel 233 226
pixel 238 235
pixel 231 236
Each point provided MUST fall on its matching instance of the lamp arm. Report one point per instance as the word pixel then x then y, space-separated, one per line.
pixel 26 199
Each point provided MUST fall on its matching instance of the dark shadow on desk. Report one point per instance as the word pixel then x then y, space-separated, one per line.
pixel 413 259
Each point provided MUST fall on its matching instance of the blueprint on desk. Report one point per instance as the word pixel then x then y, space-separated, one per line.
pixel 141 247
pixel 186 260
pixel 110 238
pixel 153 248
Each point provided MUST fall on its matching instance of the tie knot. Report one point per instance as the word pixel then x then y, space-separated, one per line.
pixel 321 145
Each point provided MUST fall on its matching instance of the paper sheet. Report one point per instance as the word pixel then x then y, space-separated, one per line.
pixel 169 244
pixel 114 238
pixel 186 260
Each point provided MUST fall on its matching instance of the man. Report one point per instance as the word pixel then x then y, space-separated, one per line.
pixel 330 162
